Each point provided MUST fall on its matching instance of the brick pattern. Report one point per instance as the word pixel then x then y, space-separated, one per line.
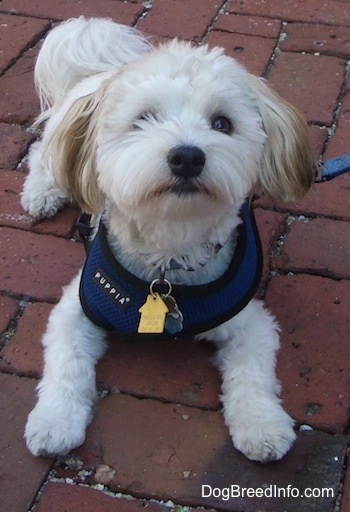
pixel 158 432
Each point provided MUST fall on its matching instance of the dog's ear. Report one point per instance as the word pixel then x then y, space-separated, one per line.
pixel 288 163
pixel 72 146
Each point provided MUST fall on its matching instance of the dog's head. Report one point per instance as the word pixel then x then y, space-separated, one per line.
pixel 182 131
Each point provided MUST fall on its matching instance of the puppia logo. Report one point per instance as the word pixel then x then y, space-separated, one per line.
pixel 111 289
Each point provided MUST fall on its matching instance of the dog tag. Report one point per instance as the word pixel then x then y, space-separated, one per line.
pixel 153 314
pixel 174 317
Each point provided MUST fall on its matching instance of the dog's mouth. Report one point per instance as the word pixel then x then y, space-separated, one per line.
pixel 183 188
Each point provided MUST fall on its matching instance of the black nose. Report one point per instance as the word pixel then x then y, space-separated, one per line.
pixel 186 161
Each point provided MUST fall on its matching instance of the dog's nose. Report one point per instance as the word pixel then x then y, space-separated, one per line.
pixel 186 161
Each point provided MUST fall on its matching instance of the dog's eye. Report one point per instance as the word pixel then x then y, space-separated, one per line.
pixel 222 124
pixel 144 117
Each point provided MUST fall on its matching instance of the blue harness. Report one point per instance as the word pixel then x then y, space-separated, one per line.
pixel 111 296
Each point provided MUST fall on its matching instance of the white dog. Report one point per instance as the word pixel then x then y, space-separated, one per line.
pixel 166 144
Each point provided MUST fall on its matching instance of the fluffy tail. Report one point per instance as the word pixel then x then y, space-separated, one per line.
pixel 79 48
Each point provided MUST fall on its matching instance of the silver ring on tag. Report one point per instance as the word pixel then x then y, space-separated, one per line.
pixel 160 281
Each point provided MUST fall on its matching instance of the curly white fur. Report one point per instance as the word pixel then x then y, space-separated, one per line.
pixel 114 108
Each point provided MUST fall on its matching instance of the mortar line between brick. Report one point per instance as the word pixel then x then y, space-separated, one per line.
pixel 72 237
pixel 241 33
pixel 20 375
pixel 30 44
pixel 32 299
pixel 42 487
pixel 220 11
pixel 34 16
pixel 346 466
pixel 300 211
pixel 106 491
pixel 275 51
pixel 147 9
pixel 294 271
pixel 7 336
pixel 106 392
pixel 286 19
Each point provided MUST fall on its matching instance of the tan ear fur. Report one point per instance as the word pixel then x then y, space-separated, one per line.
pixel 72 152
pixel 288 164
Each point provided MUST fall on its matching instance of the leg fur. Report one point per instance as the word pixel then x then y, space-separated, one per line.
pixel 41 196
pixel 247 344
pixel 67 390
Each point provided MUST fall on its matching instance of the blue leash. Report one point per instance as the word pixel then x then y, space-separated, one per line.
pixel 334 167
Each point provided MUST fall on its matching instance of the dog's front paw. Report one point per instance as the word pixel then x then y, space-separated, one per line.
pixel 43 204
pixel 263 435
pixel 49 432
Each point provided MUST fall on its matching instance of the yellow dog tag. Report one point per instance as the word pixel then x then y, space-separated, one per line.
pixel 153 314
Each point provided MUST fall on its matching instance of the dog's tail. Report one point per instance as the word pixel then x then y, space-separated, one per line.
pixel 79 48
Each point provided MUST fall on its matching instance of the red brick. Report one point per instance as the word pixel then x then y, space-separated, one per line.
pixel 62 224
pixel 164 455
pixel 170 18
pixel 270 226
pixel 11 212
pixel 317 246
pixel 42 264
pixel 21 475
pixel 339 142
pixel 14 143
pixel 331 199
pixel 24 354
pixel 313 313
pixel 177 371
pixel 27 31
pixel 311 83
pixel 249 25
pixel 253 52
pixel 87 499
pixel 8 310
pixel 329 12
pixel 18 100
pixel 168 451
pixel 120 11
pixel 13 215
pixel 327 40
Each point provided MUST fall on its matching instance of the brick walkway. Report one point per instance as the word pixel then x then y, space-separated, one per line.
pixel 158 434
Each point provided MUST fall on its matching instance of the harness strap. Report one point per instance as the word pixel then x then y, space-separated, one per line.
pixel 85 229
